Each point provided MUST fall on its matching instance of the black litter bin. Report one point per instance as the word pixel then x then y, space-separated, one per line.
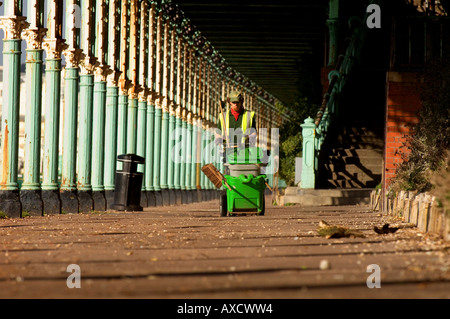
pixel 128 184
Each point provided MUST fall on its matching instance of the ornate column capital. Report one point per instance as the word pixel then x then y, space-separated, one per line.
pixel 172 109
pixel 112 78
pixel 101 71
pixel 124 84
pixel 189 117
pixel 178 112
pixel 165 104
pixel 143 93
pixel 151 97
pixel 159 102
pixel 73 57
pixel 34 37
pixel 54 47
pixel 13 26
pixel 88 64
pixel 133 91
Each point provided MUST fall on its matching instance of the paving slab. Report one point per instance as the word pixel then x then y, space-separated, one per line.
pixel 189 251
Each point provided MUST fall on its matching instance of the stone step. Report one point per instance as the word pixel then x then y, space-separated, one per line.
pixel 365 160
pixel 326 197
pixel 365 169
pixel 361 130
pixel 357 152
pixel 362 177
pixel 350 184
pixel 366 139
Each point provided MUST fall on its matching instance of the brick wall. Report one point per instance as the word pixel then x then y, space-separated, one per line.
pixel 324 77
pixel 403 102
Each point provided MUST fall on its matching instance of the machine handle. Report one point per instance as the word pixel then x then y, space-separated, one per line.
pixel 247 179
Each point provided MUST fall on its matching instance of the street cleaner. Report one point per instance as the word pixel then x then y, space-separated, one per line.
pixel 237 125
pixel 244 185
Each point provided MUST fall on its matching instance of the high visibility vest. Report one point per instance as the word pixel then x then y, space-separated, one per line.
pixel 247 121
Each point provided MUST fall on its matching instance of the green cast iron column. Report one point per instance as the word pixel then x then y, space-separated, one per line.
pixel 183 137
pixel 73 55
pixel 170 159
pixel 68 195
pixel 50 184
pixel 141 141
pixel 85 140
pixel 132 124
pixel 9 191
pixel 112 97
pixel 177 155
pixel 149 152
pixel 188 157
pixel 193 184
pixel 88 64
pixel 30 193
pixel 203 152
pixel 98 145
pixel 122 125
pixel 157 149
pixel 164 155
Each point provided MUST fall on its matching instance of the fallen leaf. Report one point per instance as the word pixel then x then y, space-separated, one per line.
pixel 332 231
pixel 385 229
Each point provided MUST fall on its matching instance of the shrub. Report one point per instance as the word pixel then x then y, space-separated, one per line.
pixel 429 143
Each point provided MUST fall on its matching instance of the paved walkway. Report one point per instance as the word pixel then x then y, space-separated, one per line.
pixel 190 252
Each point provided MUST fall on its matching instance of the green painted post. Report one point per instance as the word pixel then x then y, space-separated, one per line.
pixel 9 193
pixel 141 132
pixel 85 140
pixel 182 167
pixel 68 195
pixel 157 149
pixel 193 181
pixel 308 173
pixel 203 153
pixel 132 124
pixel 208 158
pixel 98 145
pixel 177 156
pixel 30 193
pixel 141 142
pixel 122 125
pixel 188 157
pixel 149 157
pixel 112 99
pixel 73 55
pixel 164 157
pixel 170 160
pixel 50 184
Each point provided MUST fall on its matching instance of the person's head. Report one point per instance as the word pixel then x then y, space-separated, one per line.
pixel 236 100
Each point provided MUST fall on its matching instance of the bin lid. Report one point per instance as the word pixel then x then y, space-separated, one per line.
pixel 247 155
pixel 133 158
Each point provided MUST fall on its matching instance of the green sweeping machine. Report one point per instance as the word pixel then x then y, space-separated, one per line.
pixel 245 184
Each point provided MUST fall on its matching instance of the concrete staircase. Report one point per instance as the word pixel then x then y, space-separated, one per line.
pixel 325 197
pixel 350 167
pixel 354 159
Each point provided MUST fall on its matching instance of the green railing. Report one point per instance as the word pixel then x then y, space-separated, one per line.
pixel 314 131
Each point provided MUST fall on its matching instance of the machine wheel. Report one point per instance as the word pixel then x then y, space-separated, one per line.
pixel 223 205
pixel 263 209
